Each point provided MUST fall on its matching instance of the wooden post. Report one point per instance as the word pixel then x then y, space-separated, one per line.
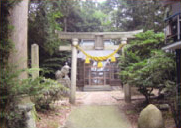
pixel 35 60
pixel 73 71
pixel 126 88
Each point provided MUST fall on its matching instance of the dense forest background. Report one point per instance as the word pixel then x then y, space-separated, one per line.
pixel 46 16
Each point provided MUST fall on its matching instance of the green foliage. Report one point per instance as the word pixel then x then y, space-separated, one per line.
pixel 6 45
pixel 128 15
pixel 51 92
pixel 42 26
pixel 44 91
pixel 47 16
pixel 14 117
pixel 51 64
pixel 90 20
pixel 12 86
pixel 44 18
pixel 86 16
pixel 145 65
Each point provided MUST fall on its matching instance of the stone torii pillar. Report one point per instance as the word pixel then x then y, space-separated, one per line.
pixel 73 71
pixel 126 87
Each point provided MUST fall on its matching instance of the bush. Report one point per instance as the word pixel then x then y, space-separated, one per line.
pixel 53 91
pixel 44 90
pixel 146 66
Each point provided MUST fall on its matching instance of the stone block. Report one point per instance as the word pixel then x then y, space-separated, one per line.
pixel 27 107
pixel 165 107
pixel 151 117
pixel 127 93
pixel 35 60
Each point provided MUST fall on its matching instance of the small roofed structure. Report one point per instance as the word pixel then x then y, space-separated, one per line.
pixel 90 74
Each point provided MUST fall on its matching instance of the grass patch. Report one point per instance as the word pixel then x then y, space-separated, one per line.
pixel 129 112
pixel 52 124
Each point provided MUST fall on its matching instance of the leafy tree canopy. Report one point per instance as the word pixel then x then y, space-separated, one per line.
pixel 145 65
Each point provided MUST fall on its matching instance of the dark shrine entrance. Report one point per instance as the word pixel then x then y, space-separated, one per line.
pixel 96 76
pixel 91 75
pixel 100 76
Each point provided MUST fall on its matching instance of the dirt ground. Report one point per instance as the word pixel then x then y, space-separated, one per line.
pixel 57 117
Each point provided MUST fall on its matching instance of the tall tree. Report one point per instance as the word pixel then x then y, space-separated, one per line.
pixel 42 25
pixel 70 11
pixel 134 14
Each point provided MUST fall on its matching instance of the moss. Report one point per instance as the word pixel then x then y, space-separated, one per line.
pixel 130 112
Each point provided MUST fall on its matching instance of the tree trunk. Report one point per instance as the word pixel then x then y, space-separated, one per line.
pixel 143 91
pixel 147 99
pixel 19 20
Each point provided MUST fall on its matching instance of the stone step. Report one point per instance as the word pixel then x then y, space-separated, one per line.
pixel 97 88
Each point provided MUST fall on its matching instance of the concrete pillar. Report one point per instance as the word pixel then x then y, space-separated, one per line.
pixel 19 20
pixel 127 88
pixel 35 60
pixel 127 93
pixel 73 71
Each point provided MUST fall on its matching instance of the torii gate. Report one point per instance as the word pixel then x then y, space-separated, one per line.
pixel 99 37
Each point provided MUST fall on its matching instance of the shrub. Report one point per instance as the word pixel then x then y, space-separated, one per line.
pixel 145 65
pixel 50 93
pixel 44 90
